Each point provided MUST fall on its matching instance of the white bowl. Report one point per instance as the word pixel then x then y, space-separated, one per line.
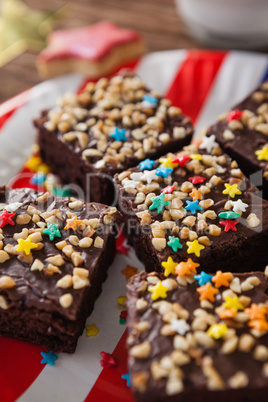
pixel 227 23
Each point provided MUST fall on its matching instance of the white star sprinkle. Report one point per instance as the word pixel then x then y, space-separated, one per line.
pixel 149 176
pixel 13 207
pixel 130 183
pixel 209 143
pixel 239 205
pixel 180 326
pixel 136 176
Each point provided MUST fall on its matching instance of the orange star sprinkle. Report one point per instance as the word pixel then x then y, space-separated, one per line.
pixel 73 223
pixel 196 195
pixel 222 279
pixel 207 292
pixel 256 313
pixel 186 268
pixel 129 271
pixel 260 325
pixel 227 313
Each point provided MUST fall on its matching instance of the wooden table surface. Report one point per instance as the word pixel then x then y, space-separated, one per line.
pixel 157 20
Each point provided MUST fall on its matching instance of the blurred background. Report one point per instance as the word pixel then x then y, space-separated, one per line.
pixel 160 22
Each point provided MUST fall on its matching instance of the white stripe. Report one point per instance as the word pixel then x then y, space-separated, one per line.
pixel 72 377
pixel 239 74
pixel 159 69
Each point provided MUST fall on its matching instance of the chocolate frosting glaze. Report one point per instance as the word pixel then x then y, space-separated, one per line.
pixel 130 160
pixel 34 289
pixel 194 380
pixel 223 247
pixel 246 141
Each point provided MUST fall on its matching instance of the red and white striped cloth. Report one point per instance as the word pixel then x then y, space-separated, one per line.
pixel 203 84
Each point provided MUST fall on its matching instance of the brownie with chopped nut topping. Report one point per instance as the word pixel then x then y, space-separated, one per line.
pixel 196 203
pixel 196 338
pixel 243 134
pixel 111 126
pixel 54 255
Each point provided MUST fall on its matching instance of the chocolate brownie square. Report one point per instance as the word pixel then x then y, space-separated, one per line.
pixel 54 255
pixel 197 204
pixel 109 127
pixel 198 337
pixel 243 134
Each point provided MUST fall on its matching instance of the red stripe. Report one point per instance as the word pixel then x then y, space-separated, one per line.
pixel 110 387
pixel 20 365
pixel 194 80
pixel 9 107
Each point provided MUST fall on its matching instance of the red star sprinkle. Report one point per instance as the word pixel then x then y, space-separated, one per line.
pixel 6 218
pixel 168 189
pixel 234 115
pixel 197 179
pixel 121 247
pixel 181 159
pixel 123 314
pixel 229 224
pixel 108 360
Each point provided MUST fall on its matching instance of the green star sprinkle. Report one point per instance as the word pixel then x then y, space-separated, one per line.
pixel 61 192
pixel 52 231
pixel 159 203
pixel 229 215
pixel 174 243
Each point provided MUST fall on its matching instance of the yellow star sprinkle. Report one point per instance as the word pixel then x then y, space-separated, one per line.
pixel 121 300
pixel 196 156
pixel 167 162
pixel 92 330
pixel 231 190
pixel 262 154
pixel 33 163
pixel 194 247
pixel 158 291
pixel 217 331
pixel 26 245
pixel 43 168
pixel 233 302
pixel 169 266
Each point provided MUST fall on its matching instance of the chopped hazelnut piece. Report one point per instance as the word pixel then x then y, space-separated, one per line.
pixel 66 300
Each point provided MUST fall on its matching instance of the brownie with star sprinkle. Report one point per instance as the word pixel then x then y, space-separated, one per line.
pixel 197 336
pixel 243 134
pixel 54 256
pixel 110 126
pixel 198 204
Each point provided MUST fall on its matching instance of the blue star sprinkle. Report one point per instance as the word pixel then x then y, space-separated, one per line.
pixel 163 171
pixel 119 135
pixel 127 378
pixel 146 164
pixel 203 278
pixel 192 206
pixel 150 100
pixel 38 179
pixel 49 358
